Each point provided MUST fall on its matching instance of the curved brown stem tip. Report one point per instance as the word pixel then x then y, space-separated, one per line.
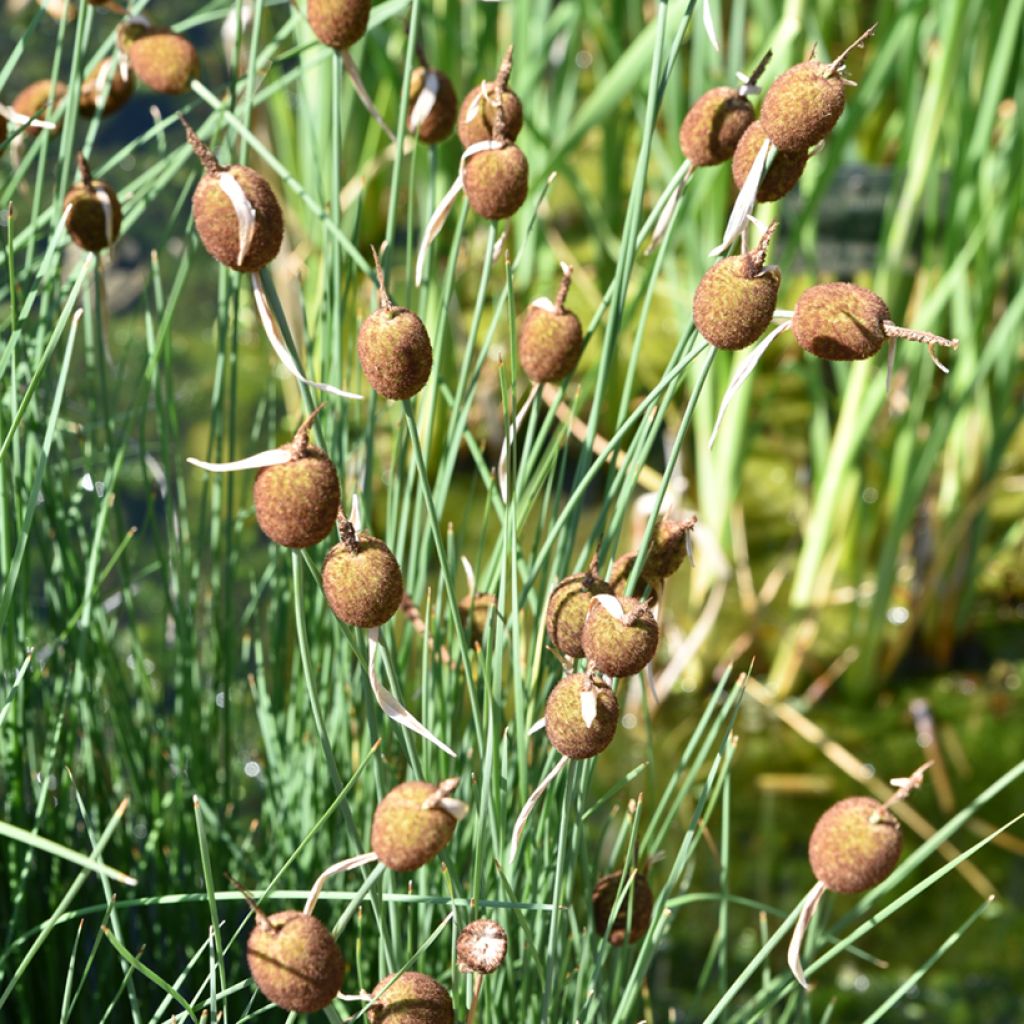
pixel 421 54
pixel 382 291
pixel 563 290
pixel 347 532
pixel 301 439
pixel 760 253
pixel 837 64
pixel 201 150
pixel 759 70
pixel 892 330
pixel 83 168
pixel 505 71
pixel 262 921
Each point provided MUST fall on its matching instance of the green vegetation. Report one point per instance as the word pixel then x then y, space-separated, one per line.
pixel 178 703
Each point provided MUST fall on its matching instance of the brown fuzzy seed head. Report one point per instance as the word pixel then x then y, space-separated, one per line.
pixel 496 182
pixel 840 322
pixel 563 717
pixel 784 169
pixel 87 222
pixel 734 303
pixel 854 846
pixel 296 503
pixel 481 125
pixel 34 101
pixel 549 343
pixel 121 86
pixel 339 23
pixel 295 963
pixel 394 352
pixel 713 126
pixel 164 60
pixel 217 222
pixel 413 999
pixel 617 648
pixel 801 106
pixel 404 835
pixel 364 587
pixel 475 612
pixel 440 122
pixel 481 947
pixel 638 918
pixel 567 609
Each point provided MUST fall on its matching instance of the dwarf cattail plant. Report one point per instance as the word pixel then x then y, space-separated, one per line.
pixel 92 212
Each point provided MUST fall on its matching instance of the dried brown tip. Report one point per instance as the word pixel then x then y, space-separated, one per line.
pixel 382 291
pixel 347 532
pixel 835 66
pixel 262 921
pixel 759 255
pixel 421 54
pixel 300 442
pixel 759 70
pixel 500 129
pixel 892 330
pixel 504 72
pixel 83 169
pixel 201 150
pixel 563 288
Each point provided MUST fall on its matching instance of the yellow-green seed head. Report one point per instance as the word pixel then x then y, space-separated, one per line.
pixel 840 321
pixel 567 730
pixel 617 647
pixel 802 105
pixel 361 579
pixel 713 126
pixel 854 846
pixel 296 503
pixel 413 998
pixel 496 182
pixel 394 352
pixel 163 60
pixel 735 301
pixel 567 610
pixel 339 23
pixel 404 834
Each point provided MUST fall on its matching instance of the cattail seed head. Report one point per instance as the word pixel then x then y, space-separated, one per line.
pixel 550 337
pixel 339 23
pixel 296 502
pixel 638 919
pixel 34 101
pixel 665 555
pixel 567 610
pixel 440 122
pixel 566 728
pixel 164 60
pixel 620 647
pixel 295 961
pixel 713 126
pixel 405 833
pixel 475 610
pixel 783 171
pixel 414 998
pixel 361 578
pixel 855 845
pixel 481 947
pixel 840 321
pixel 479 113
pixel 91 94
pixel 94 211
pixel 735 299
pixel 802 105
pixel 496 181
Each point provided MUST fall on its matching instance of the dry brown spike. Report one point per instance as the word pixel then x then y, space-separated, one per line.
pixel 478 113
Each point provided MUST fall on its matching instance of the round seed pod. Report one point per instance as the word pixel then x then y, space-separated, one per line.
pixel 339 23
pixel 34 101
pixel 567 609
pixel 394 347
pixel 784 168
pixel 217 221
pixel 567 732
pixel 121 87
pixel 665 555
pixel 296 503
pixel 475 610
pixel 361 579
pixel 802 105
pixel 295 961
pixel 620 648
pixel 94 212
pixel 163 60
pixel 550 338
pixel 478 115
pixel 840 322
pixel 496 181
pixel 854 846
pixel 735 299
pixel 405 834
pixel 713 126
pixel 639 920
pixel 481 947
pixel 439 123
pixel 414 998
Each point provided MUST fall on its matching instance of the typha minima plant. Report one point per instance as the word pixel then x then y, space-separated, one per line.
pixel 410 998
pixel 478 114
pixel 161 59
pixel 620 635
pixel 567 609
pixel 340 24
pixel 35 100
pixel 411 825
pixel 622 912
pixel 671 545
pixel 854 846
pixel 495 176
pixel 296 491
pixel 432 103
pixel 107 88
pixel 240 224
pixel 480 949
pixel 92 212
